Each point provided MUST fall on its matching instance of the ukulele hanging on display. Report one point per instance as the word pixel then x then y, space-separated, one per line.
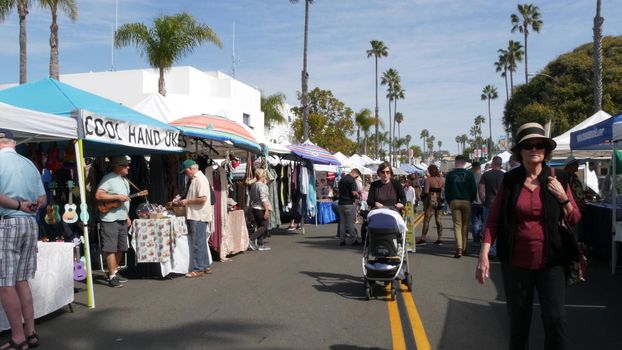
pixel 52 215
pixel 70 215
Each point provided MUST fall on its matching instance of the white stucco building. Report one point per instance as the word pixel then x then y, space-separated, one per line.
pixel 190 90
pixel 282 133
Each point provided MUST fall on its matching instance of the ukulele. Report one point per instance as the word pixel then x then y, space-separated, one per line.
pixel 70 216
pixel 106 206
pixel 79 271
pixel 52 215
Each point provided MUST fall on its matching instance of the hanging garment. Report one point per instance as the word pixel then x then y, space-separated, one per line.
pixel 304 180
pixel 275 213
pixel 214 241
pixel 311 196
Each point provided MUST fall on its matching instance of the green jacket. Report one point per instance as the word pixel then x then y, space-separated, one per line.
pixel 460 184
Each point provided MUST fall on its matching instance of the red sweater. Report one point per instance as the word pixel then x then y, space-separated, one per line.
pixel 528 249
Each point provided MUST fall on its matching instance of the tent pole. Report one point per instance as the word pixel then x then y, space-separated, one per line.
pixel 87 250
pixel 614 219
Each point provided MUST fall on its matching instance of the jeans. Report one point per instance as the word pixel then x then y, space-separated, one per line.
pixel 347 215
pixel 198 234
pixel 493 247
pixel 550 284
pixel 476 222
pixel 461 215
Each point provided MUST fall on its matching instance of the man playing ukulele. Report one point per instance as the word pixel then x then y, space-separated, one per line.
pixel 115 223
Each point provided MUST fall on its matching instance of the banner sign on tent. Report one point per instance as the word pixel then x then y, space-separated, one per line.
pixel 94 127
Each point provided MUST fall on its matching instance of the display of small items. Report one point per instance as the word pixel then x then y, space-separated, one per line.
pixel 153 211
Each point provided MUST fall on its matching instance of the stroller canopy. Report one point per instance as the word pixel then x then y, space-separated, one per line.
pixel 384 218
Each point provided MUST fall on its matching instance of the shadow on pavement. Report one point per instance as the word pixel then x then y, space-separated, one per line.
pixel 593 313
pixel 106 334
pixel 346 286
pixel 353 347
pixel 322 242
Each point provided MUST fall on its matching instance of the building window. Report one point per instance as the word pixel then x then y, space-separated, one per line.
pixel 246 119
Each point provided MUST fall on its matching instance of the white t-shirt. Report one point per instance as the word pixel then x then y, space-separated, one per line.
pixel 410 193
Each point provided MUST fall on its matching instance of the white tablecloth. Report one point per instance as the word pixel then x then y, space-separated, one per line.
pixel 52 287
pixel 182 257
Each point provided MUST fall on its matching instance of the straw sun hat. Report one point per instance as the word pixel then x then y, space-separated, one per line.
pixel 530 131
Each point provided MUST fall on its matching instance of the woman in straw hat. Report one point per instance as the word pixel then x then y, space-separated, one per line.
pixel 524 220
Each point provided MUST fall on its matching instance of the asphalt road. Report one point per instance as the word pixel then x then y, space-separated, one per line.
pixel 307 293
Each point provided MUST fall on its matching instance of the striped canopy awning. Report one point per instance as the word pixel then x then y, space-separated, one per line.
pixel 221 129
pixel 313 153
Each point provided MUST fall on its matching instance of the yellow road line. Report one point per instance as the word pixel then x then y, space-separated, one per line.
pixel 397 333
pixel 421 339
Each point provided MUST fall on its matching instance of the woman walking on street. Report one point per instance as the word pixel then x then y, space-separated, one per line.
pixel 524 219
pixel 432 204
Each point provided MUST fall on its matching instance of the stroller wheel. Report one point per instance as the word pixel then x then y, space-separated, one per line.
pixel 368 292
pixel 409 282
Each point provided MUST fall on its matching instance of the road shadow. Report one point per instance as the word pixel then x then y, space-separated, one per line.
pixel 353 347
pixel 99 330
pixel 323 242
pixel 345 286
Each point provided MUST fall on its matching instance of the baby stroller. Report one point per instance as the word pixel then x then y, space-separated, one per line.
pixel 384 257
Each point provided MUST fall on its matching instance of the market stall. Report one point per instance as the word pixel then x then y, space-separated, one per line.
pixel 103 127
pixel 207 138
pixel 604 136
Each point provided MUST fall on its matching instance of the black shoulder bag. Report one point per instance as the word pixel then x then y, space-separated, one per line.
pixel 575 260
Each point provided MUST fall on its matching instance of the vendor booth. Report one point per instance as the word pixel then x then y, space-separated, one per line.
pixel 604 136
pixel 52 286
pixel 106 127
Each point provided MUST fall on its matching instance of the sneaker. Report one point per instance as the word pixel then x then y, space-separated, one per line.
pixel 252 245
pixel 263 247
pixel 438 242
pixel 421 241
pixel 356 243
pixel 291 228
pixel 114 282
pixel 458 254
pixel 121 279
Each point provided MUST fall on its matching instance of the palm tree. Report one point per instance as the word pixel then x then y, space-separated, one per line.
pixel 439 143
pixel 22 11
pixel 305 74
pixel 430 142
pixel 378 50
pixel 424 136
pixel 399 118
pixel 391 78
pixel 489 93
pixel 531 18
pixel 70 8
pixel 407 140
pixel 457 139
pixel 502 66
pixel 363 121
pixel 464 138
pixel 272 108
pixel 515 54
pixel 598 59
pixel 170 38
pixel 398 94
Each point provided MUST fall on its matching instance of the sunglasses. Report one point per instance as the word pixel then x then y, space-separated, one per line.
pixel 529 146
pixel 386 172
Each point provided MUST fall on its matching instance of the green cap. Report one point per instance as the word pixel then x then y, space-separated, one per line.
pixel 186 164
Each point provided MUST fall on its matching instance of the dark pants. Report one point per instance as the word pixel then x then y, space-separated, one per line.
pixel 519 287
pixel 262 226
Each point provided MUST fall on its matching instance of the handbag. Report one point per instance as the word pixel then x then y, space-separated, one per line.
pixel 574 258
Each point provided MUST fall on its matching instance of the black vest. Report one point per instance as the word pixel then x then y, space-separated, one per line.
pixel 512 184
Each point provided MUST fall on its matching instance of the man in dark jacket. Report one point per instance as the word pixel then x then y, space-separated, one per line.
pixel 348 193
pixel 460 191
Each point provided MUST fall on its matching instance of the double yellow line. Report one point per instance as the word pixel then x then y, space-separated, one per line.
pixel 412 315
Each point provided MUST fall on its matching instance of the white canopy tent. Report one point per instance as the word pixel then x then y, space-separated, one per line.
pixel 28 125
pixel 563 141
pixel 351 163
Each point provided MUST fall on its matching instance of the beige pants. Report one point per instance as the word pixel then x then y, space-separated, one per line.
pixel 461 215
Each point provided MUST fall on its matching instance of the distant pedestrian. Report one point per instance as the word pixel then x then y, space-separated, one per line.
pixel 21 195
pixel 460 191
pixel 260 205
pixel 409 190
pixel 524 219
pixel 476 207
pixel 488 186
pixel 571 166
pixel 348 194
pixel 432 204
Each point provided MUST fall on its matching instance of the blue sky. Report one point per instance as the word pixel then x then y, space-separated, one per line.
pixel 443 49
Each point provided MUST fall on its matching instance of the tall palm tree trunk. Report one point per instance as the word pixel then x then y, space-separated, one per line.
pixel 358 137
pixel 598 56
pixel 489 132
pixel 390 137
pixel 526 71
pixel 511 83
pixel 161 83
pixel 22 9
pixel 305 78
pixel 376 113
pixel 394 151
pixel 54 44
pixel 507 94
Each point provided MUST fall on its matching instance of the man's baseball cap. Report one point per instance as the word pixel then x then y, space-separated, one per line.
pixel 6 134
pixel 186 164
